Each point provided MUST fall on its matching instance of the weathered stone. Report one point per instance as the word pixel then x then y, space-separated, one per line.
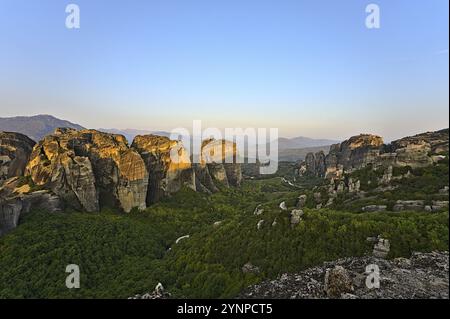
pixel 15 150
pixel 258 210
pixel 374 208
pixel 15 202
pixel 423 276
pixel 438 205
pixel 250 268
pixel 158 293
pixel 301 202
pixel 310 163
pixel 381 248
pixel 387 176
pixel 218 164
pixel 168 164
pixel 337 282
pixel 414 205
pixel 317 197
pixel 320 164
pixel 363 150
pixel 89 169
pixel 296 216
pixel 260 224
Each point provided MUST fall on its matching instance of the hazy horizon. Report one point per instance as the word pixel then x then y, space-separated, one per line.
pixel 309 68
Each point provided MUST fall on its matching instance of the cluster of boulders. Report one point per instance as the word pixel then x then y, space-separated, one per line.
pixel 88 169
pixel 158 293
pixel 424 275
pixel 409 205
pixel 419 205
pixel 360 151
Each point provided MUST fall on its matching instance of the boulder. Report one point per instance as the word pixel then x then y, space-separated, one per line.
pixel 258 210
pixel 15 151
pixel 296 216
pixel 17 200
pixel 260 224
pixel 158 293
pixel 337 282
pixel 414 205
pixel 249 268
pixel 438 205
pixel 374 208
pixel 301 202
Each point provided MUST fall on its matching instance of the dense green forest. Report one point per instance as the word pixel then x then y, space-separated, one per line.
pixel 121 255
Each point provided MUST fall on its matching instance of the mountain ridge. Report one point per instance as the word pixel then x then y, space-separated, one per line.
pixel 35 127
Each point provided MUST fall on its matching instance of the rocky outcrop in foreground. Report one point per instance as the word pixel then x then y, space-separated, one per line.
pixel 424 275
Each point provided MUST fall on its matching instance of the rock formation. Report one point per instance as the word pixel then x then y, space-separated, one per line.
pixel 363 150
pixel 158 293
pixel 17 199
pixel 424 275
pixel 15 150
pixel 168 164
pixel 218 165
pixel 296 216
pixel 89 169
pixel 337 282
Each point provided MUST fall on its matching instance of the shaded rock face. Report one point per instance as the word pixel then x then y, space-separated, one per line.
pixel 320 164
pixel 438 141
pixel 218 165
pixel 424 275
pixel 168 164
pixel 89 169
pixel 15 150
pixel 16 200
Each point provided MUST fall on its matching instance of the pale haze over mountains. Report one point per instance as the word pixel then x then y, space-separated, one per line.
pixel 36 127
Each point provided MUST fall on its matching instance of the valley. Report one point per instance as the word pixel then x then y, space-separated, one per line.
pixel 217 240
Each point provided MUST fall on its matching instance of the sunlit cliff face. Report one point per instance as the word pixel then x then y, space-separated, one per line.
pixel 218 151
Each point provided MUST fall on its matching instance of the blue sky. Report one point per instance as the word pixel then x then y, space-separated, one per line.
pixel 307 67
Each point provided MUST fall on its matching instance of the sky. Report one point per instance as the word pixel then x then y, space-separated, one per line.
pixel 309 68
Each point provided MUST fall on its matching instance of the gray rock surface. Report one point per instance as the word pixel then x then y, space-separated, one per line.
pixel 15 151
pixel 424 275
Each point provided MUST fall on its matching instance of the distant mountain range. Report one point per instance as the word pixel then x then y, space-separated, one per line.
pixel 36 127
pixel 303 142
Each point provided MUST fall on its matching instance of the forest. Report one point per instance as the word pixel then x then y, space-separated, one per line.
pixel 121 255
